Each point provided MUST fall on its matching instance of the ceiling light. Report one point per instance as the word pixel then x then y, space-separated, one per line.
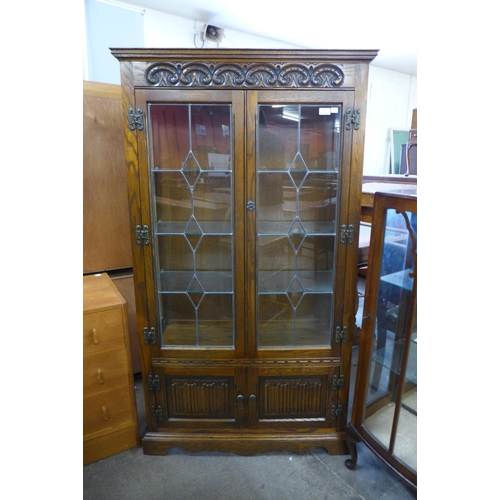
pixel 123 6
pixel 290 116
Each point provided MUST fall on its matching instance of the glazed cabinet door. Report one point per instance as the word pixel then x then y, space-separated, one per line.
pixel 191 157
pixel 299 159
pixel 197 397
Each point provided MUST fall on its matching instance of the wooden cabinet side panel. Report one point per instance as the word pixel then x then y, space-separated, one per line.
pixel 125 285
pixel 134 199
pixel 354 208
pixel 106 240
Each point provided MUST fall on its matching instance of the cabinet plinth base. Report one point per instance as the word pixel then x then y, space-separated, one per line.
pixel 158 443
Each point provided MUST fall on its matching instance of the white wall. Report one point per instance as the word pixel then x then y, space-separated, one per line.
pixel 166 30
pixel 108 26
pixel 392 96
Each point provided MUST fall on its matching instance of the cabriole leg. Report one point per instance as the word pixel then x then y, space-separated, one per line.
pixel 350 463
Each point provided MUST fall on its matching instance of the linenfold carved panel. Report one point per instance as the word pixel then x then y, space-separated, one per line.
pixel 292 397
pixel 256 75
pixel 199 397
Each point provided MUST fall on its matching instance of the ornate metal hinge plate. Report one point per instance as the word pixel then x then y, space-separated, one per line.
pixel 157 412
pixel 136 120
pixel 149 335
pixel 347 233
pixel 338 382
pixel 340 334
pixel 352 117
pixel 154 382
pixel 337 411
pixel 142 234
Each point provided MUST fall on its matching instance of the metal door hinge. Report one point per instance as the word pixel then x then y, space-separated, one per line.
pixel 337 411
pixel 154 382
pixel 338 382
pixel 352 117
pixel 157 412
pixel 149 335
pixel 142 234
pixel 136 120
pixel 340 334
pixel 347 233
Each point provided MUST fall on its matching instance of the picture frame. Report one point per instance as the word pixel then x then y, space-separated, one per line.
pixel 397 137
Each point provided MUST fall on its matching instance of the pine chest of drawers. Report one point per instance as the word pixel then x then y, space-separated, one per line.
pixel 109 409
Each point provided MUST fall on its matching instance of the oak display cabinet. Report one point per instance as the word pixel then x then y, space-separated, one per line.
pixel 244 185
pixel 384 413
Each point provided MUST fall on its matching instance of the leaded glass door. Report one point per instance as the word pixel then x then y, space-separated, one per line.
pixel 194 158
pixel 297 188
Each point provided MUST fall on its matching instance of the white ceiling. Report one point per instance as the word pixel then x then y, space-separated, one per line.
pixel 386 25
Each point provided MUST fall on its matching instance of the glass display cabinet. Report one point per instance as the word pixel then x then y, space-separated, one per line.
pixel 384 413
pixel 244 174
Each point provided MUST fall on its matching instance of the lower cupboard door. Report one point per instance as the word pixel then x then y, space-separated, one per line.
pixel 291 398
pixel 199 398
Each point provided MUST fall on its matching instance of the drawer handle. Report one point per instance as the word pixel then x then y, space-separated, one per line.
pixel 100 376
pixel 95 336
pixel 105 415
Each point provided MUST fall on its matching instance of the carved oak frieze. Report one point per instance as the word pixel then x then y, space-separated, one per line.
pixel 256 75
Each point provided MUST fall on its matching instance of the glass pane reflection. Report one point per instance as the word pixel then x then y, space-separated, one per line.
pixel 192 186
pixel 391 409
pixel 298 158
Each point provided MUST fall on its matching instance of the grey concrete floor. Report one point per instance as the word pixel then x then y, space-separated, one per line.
pixel 131 475
pixel 180 475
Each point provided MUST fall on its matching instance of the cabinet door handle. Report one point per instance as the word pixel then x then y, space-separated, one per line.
pixel 251 206
pixel 95 336
pixel 105 415
pixel 100 376
pixel 240 398
pixel 252 397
